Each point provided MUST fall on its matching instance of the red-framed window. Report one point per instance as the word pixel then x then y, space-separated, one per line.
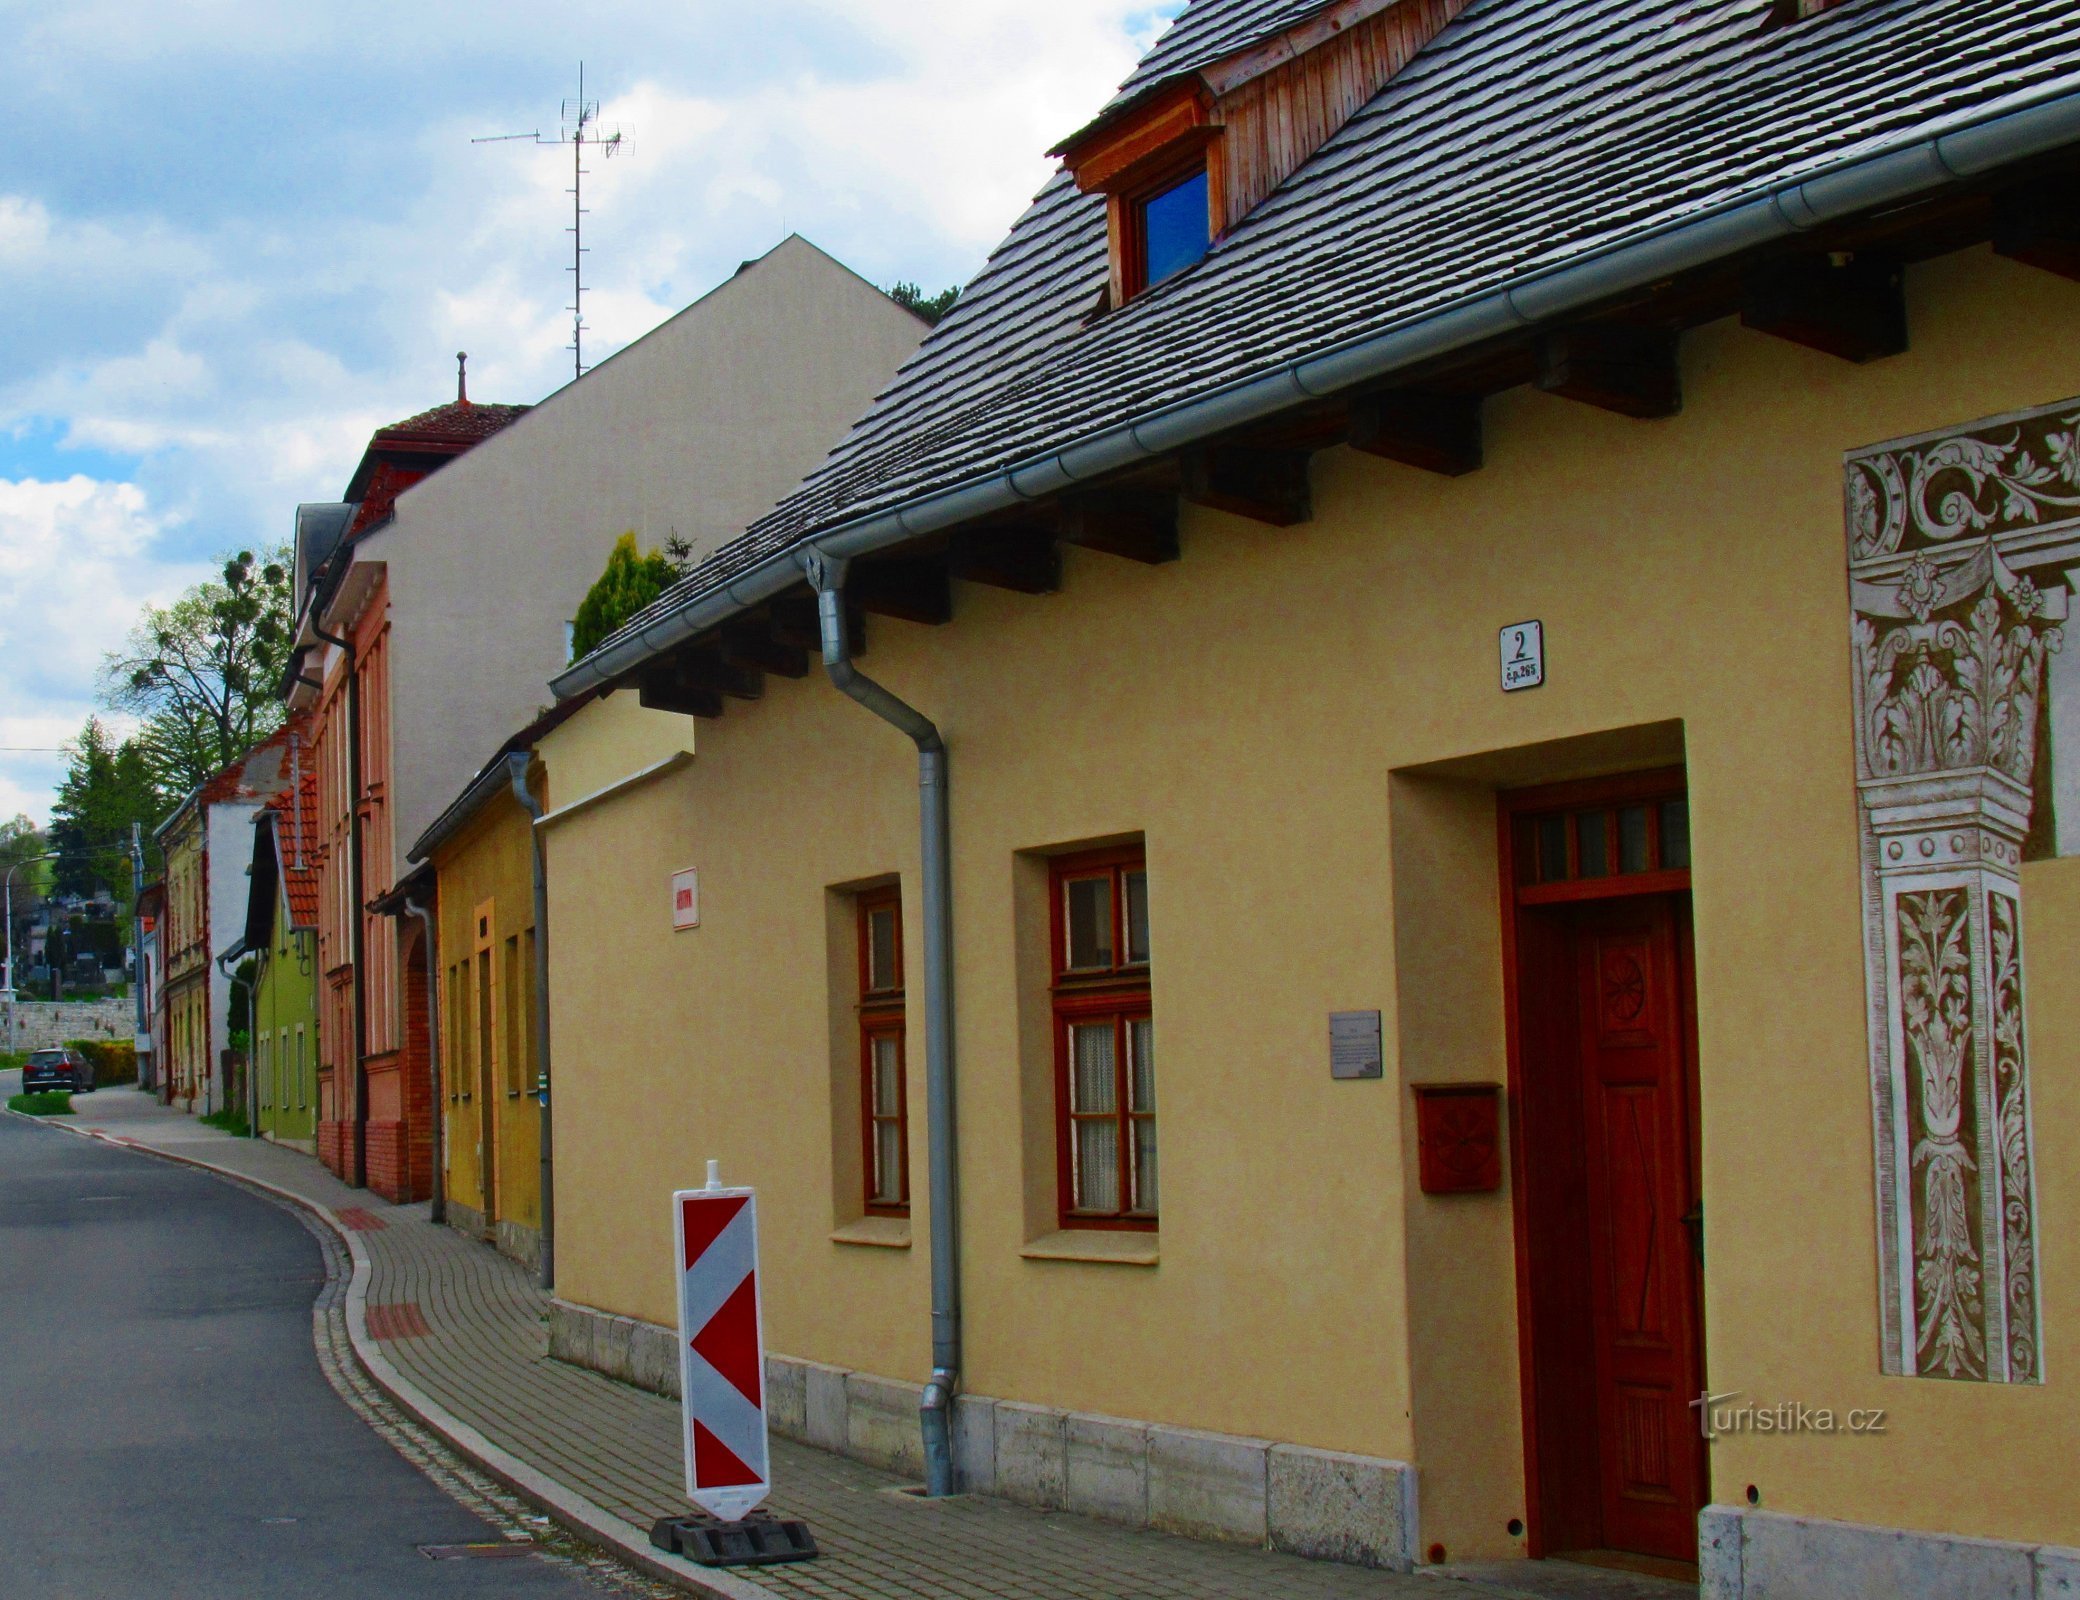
pixel 1598 838
pixel 1104 1042
pixel 884 1108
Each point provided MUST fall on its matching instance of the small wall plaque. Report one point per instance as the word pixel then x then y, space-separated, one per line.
pixel 686 899
pixel 1354 1047
pixel 1523 656
pixel 1458 1136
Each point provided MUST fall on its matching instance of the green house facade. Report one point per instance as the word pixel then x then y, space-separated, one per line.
pixel 282 941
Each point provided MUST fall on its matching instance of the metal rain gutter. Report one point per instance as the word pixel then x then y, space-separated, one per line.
pixel 1855 184
pixel 941 1139
pixel 487 784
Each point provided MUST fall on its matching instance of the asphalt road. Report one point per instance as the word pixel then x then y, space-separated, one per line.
pixel 165 1429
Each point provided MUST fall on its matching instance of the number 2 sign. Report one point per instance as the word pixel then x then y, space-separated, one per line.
pixel 1523 656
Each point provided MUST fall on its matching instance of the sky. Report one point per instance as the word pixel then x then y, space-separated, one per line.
pixel 237 236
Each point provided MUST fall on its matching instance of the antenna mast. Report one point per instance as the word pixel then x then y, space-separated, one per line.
pixel 579 128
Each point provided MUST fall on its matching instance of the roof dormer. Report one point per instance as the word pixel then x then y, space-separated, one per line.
pixel 1182 159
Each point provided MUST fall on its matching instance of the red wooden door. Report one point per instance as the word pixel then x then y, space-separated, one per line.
pixel 1633 1004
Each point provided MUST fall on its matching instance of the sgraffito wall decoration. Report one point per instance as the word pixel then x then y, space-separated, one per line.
pixel 1964 547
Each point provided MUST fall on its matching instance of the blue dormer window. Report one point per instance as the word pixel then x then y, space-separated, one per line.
pixel 1173 229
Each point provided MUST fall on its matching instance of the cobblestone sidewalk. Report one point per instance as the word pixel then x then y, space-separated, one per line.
pixel 464 1328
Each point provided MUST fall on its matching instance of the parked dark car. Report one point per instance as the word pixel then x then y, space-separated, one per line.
pixel 57 1069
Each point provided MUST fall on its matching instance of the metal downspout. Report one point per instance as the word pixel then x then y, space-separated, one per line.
pixel 358 933
pixel 437 1207
pixel 516 767
pixel 936 1414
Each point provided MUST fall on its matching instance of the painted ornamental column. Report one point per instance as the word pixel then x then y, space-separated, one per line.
pixel 1959 548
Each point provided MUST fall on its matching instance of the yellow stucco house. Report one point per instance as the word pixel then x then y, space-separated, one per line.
pixel 1495 582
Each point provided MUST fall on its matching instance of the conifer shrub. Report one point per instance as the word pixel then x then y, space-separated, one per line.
pixel 632 580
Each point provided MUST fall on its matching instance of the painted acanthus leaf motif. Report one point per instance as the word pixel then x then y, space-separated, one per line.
pixel 1965 484
pixel 1951 692
pixel 1935 997
pixel 2012 1108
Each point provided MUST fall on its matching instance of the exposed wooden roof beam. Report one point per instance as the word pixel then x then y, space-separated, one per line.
pixel 1267 486
pixel 705 671
pixel 908 588
pixel 1022 558
pixel 2040 225
pixel 1849 306
pixel 1136 524
pixel 1437 432
pixel 752 644
pixel 1630 370
pixel 659 689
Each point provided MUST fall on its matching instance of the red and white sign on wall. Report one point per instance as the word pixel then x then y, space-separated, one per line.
pixel 721 1348
pixel 686 899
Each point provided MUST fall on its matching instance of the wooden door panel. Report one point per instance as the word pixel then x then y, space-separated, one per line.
pixel 1634 1080
pixel 1630 1217
pixel 1642 1433
pixel 1627 1017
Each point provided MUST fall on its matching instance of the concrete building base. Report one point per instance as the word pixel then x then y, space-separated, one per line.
pixel 1356 1509
pixel 514 1240
pixel 1746 1554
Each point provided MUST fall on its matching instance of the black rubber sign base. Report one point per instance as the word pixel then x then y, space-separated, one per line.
pixel 759 1540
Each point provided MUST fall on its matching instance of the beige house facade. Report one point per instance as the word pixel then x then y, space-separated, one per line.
pixel 1503 887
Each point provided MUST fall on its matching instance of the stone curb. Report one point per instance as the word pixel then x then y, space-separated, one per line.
pixel 572 1510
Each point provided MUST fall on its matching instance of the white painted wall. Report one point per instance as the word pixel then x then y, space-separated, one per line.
pixel 229 840
pixel 696 429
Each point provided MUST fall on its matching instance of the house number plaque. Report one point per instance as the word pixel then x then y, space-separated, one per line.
pixel 1523 656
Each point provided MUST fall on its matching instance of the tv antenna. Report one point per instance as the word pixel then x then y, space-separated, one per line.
pixel 579 127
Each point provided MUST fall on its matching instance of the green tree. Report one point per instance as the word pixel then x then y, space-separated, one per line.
pixel 202 673
pixel 107 786
pixel 931 307
pixel 21 843
pixel 632 580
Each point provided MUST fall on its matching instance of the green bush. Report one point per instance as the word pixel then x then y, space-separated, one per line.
pixel 631 581
pixel 114 1060
pixel 43 1103
pixel 231 1120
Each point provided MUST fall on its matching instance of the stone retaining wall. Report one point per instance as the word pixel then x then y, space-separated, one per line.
pixel 40 1024
pixel 1357 1509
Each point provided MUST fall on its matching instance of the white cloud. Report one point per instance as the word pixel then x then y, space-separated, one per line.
pixel 77 564
pixel 224 305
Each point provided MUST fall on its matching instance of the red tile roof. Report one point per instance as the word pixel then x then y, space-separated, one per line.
pixel 399 455
pixel 460 421
pixel 296 834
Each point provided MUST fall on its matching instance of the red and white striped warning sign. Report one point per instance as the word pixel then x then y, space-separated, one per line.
pixel 721 1349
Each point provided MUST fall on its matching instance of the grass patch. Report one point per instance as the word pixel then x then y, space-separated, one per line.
pixel 232 1120
pixel 43 1103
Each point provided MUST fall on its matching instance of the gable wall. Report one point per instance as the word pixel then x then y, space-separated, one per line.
pixel 693 430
